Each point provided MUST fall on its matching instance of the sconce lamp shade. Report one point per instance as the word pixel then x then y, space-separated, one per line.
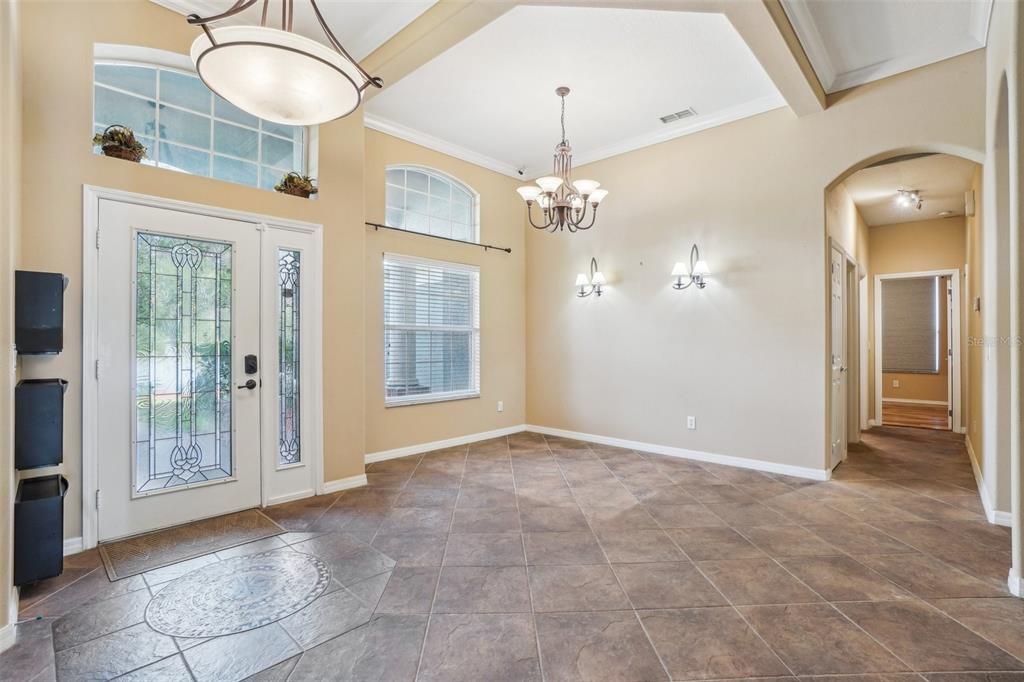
pixel 701 269
pixel 529 192
pixel 679 270
pixel 598 279
pixel 581 280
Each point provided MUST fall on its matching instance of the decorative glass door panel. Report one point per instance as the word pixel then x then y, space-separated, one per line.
pixel 178 433
pixel 183 362
pixel 288 355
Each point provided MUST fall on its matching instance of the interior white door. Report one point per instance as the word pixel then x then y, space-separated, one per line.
pixel 290 395
pixel 178 312
pixel 949 350
pixel 837 431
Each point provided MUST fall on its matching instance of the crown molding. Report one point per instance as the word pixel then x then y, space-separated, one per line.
pixel 799 13
pixel 680 129
pixel 408 134
pixel 832 81
pixel 673 131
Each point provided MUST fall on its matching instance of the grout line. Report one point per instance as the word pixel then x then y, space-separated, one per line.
pixel 437 585
pixel 526 564
pixel 618 581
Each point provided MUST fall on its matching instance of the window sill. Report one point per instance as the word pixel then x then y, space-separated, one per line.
pixel 424 399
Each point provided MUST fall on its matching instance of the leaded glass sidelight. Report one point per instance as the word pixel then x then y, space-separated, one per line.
pixel 288 347
pixel 183 362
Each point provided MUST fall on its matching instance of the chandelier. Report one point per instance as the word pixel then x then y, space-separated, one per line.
pixel 564 203
pixel 275 73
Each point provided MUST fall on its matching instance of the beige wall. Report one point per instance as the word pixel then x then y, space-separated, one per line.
pixel 502 302
pixel 1001 319
pixel 914 247
pixel 971 351
pixel 59 159
pixel 747 355
pixel 10 200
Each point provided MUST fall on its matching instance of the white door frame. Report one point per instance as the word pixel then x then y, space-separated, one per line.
pixel 954 325
pixel 91 196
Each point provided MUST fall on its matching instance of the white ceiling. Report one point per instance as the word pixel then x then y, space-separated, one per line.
pixel 853 42
pixel 361 25
pixel 941 179
pixel 491 99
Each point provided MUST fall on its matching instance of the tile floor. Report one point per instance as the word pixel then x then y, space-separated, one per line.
pixel 539 558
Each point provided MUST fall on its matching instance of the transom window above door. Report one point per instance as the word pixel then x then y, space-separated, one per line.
pixel 423 200
pixel 186 127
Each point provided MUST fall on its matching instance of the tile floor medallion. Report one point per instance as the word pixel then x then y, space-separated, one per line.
pixel 541 558
pixel 239 594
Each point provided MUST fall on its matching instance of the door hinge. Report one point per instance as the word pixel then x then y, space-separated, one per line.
pixel 97 498
pixel 97 239
pixel 97 369
pixel 950 413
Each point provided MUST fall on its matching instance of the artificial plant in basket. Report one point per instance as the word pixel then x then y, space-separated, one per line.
pixel 297 185
pixel 119 142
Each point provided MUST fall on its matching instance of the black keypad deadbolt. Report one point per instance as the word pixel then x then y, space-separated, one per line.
pixel 252 365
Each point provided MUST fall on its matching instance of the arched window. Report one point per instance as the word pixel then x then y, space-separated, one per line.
pixel 183 125
pixel 423 200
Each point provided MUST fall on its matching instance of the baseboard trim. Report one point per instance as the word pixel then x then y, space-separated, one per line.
pixel 1015 583
pixel 383 455
pixel 873 422
pixel 72 545
pixel 340 484
pixel 994 516
pixel 914 401
pixel 683 453
pixel 290 497
pixel 7 636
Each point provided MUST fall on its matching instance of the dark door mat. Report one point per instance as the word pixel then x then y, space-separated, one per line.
pixel 125 558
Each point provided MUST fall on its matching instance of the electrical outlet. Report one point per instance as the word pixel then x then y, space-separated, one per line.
pixel 501 406
pixel 895 383
pixel 691 423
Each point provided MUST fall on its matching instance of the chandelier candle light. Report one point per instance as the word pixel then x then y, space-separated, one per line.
pixel 275 73
pixel 564 202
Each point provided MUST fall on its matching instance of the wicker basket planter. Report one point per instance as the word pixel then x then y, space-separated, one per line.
pixel 126 153
pixel 297 185
pixel 118 141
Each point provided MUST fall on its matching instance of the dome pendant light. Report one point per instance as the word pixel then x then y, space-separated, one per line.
pixel 276 74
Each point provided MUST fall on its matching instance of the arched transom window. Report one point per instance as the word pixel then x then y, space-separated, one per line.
pixel 422 200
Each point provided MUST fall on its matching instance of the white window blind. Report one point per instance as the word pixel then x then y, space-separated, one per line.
pixel 431 330
pixel 910 325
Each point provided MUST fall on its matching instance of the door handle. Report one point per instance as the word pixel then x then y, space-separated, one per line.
pixel 842 369
pixel 250 384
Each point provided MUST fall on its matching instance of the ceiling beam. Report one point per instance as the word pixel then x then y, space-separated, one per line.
pixel 762 24
pixel 442 26
pixel 765 28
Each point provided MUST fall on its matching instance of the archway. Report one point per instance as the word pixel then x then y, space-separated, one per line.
pixel 1002 374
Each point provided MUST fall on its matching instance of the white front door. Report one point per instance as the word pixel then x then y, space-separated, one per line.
pixel 837 434
pixel 178 415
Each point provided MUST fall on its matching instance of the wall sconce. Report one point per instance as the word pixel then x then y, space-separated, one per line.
pixel 697 273
pixel 593 284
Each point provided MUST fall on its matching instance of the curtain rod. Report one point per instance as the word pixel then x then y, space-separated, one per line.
pixel 485 247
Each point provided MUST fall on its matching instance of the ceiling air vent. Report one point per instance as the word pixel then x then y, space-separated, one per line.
pixel 678 116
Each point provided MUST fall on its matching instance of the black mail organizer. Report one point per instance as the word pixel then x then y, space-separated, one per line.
pixel 39 312
pixel 39 423
pixel 39 528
